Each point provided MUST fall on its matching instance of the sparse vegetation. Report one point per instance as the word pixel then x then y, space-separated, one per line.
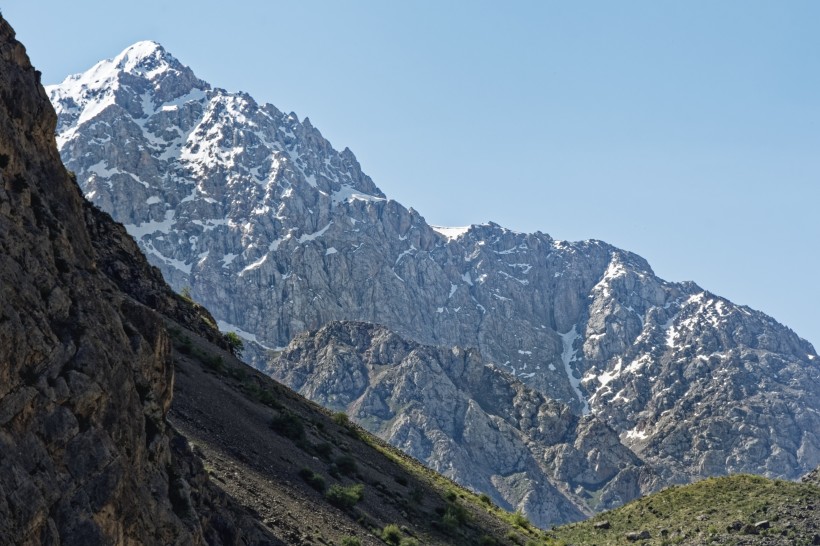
pixel 186 294
pixel 323 450
pixel 341 419
pixel 520 520
pixel 235 343
pixel 345 497
pixel 346 465
pixel 724 510
pixel 313 479
pixel 214 362
pixel 391 534
pixel 288 425
pixel 351 541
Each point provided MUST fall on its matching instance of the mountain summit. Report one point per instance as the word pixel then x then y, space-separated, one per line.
pixel 277 233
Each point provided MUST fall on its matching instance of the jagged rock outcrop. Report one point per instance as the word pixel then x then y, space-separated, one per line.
pixel 85 379
pixel 471 422
pixel 277 233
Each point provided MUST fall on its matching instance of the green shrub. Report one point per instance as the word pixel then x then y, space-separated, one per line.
pixel 268 398
pixel 235 343
pixel 341 419
pixel 288 425
pixel 346 465
pixel 485 498
pixel 487 540
pixel 449 522
pixel 345 497
pixel 351 541
pixel 323 450
pixel 513 537
pixel 520 520
pixel 391 534
pixel 316 481
pixel 409 541
pixel 214 362
pixel 239 373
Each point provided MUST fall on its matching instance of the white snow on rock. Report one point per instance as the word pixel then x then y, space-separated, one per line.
pixel 567 356
pixel 451 232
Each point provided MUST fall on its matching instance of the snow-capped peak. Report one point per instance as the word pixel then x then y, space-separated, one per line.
pixel 146 58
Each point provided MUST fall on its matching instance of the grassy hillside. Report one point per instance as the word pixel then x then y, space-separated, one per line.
pixel 736 510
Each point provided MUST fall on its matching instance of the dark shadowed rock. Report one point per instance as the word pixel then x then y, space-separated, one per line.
pixel 86 379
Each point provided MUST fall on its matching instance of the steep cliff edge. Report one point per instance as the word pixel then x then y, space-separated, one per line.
pixel 86 456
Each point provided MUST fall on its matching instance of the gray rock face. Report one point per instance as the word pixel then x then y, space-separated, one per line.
pixel 473 423
pixel 85 454
pixel 277 233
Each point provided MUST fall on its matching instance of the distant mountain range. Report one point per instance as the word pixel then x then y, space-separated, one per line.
pixel 278 234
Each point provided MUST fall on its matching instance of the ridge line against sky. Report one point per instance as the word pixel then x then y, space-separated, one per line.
pixel 687 133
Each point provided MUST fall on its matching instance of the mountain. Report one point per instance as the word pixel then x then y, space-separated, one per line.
pixel 472 422
pixel 277 234
pixel 125 418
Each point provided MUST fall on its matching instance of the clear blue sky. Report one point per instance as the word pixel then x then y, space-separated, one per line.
pixel 688 132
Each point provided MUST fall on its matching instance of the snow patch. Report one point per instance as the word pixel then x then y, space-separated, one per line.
pixel 453 289
pixel 451 232
pixel 349 193
pixel 227 259
pixel 635 434
pixel 254 265
pixel 315 235
pixel 567 356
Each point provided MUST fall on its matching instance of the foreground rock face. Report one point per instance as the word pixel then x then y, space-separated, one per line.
pixel 85 453
pixel 278 233
pixel 471 422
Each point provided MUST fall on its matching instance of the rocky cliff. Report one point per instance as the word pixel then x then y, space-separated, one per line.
pixel 471 422
pixel 86 456
pixel 278 233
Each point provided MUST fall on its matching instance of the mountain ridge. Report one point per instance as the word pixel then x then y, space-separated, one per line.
pixel 108 428
pixel 277 233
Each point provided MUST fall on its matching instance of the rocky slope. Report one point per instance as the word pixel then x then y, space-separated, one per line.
pixel 471 422
pixel 278 233
pixel 86 456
